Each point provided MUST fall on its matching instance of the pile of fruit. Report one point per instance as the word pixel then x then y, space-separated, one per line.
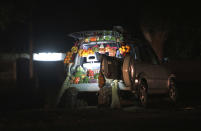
pixel 124 49
pixel 82 76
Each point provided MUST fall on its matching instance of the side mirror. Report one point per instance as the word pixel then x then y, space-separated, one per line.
pixel 165 60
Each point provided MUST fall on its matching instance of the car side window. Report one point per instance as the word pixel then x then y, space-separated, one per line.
pixel 147 55
pixel 135 52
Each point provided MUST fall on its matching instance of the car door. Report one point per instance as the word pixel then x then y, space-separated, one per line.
pixel 156 74
pixel 143 63
pixel 160 74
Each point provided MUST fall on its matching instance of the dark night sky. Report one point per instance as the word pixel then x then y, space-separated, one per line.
pixel 52 21
pixel 56 20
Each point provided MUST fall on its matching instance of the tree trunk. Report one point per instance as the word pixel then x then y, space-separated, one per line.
pixel 156 39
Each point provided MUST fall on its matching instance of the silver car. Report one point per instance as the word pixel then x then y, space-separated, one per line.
pixel 101 61
pixel 139 72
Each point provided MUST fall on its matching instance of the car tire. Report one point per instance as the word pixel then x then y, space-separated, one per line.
pixel 143 94
pixel 128 71
pixel 110 67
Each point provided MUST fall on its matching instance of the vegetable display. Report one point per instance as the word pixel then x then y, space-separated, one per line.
pixel 74 49
pixel 124 49
pixel 68 57
pixel 106 42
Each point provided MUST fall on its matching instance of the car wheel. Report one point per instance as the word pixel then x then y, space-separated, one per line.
pixel 142 95
pixel 128 71
pixel 173 93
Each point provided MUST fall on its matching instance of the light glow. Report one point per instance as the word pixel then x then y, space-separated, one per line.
pixel 136 81
pixel 48 56
pixel 92 66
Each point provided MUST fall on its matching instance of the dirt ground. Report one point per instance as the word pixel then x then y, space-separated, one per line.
pixel 91 118
pixel 26 108
pixel 159 115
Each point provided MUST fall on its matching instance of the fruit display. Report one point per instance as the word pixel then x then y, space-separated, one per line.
pixel 95 48
pixel 107 48
pixel 76 81
pixel 90 73
pixel 96 76
pixel 88 45
pixel 100 38
pixel 124 49
pixel 102 49
pixel 81 76
pixel 93 39
pixel 68 57
pixel 112 51
pixel 74 49
pixel 86 80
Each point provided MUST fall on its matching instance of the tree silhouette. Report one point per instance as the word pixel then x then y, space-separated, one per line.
pixel 155 25
pixel 14 12
pixel 172 29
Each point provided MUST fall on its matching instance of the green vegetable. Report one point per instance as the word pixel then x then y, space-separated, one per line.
pixel 107 37
pixel 81 81
pixel 108 32
pixel 72 77
pixel 121 38
pixel 96 76
pixel 113 38
pixel 80 69
pixel 95 49
pixel 78 74
pixel 86 80
pixel 101 38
